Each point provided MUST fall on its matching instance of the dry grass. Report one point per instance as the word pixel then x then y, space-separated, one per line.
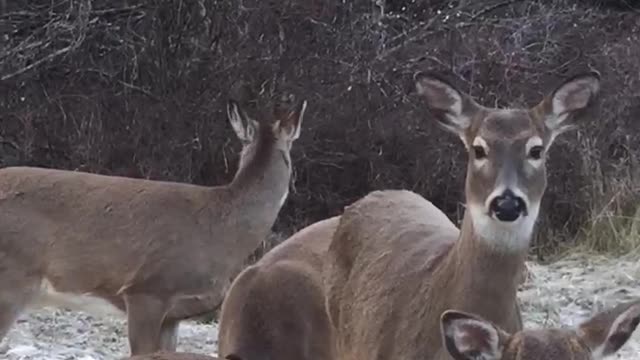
pixel 614 228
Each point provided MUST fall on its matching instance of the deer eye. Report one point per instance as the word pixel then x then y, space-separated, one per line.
pixel 536 152
pixel 479 152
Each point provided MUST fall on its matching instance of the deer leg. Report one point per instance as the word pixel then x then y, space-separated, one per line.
pixel 145 314
pixel 14 297
pixel 185 308
pixel 169 334
pixel 519 323
pixel 10 309
pixel 17 290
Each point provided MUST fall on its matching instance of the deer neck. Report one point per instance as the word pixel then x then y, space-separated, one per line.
pixel 257 193
pixel 481 276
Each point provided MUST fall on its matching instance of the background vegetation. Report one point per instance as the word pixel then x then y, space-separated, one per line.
pixel 138 88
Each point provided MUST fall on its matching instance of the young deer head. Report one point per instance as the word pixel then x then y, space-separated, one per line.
pixel 282 129
pixel 470 337
pixel 506 174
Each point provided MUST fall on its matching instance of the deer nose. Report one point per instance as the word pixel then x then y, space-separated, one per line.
pixel 507 207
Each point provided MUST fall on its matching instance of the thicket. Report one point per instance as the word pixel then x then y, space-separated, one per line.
pixel 138 88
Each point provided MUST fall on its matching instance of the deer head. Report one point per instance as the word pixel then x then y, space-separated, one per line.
pixel 506 173
pixel 281 128
pixel 470 337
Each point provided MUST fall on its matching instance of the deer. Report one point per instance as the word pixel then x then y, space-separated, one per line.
pixel 396 261
pixel 470 337
pixel 275 309
pixel 158 251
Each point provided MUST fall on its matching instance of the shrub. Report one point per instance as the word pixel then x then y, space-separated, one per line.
pixel 138 88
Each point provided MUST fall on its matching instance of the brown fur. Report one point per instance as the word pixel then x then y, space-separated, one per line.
pixel 275 308
pixel 160 250
pixel 396 262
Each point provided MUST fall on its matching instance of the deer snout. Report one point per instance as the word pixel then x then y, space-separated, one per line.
pixel 507 207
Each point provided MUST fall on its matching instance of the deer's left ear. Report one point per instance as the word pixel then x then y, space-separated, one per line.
pixel 572 95
pixel 244 126
pixel 470 337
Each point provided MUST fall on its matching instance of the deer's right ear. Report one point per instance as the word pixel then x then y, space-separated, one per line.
pixel 452 108
pixel 291 122
pixel 607 332
pixel 244 126
pixel 469 337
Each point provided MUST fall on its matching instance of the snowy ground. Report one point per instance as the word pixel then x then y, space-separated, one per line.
pixel 564 292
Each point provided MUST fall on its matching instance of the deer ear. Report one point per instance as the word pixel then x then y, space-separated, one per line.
pixel 292 123
pixel 244 127
pixel 289 123
pixel 469 337
pixel 573 95
pixel 608 331
pixel 452 108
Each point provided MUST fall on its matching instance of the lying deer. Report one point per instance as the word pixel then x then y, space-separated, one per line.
pixel 161 251
pixel 396 262
pixel 275 309
pixel 470 337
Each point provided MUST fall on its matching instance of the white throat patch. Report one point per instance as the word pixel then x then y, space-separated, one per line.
pixel 513 236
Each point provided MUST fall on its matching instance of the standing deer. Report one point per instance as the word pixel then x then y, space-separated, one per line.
pixel 396 262
pixel 471 337
pixel 161 251
pixel 275 309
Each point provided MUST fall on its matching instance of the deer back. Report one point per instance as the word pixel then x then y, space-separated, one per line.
pixel 386 247
pixel 275 308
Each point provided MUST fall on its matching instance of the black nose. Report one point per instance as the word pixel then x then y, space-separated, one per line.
pixel 507 207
